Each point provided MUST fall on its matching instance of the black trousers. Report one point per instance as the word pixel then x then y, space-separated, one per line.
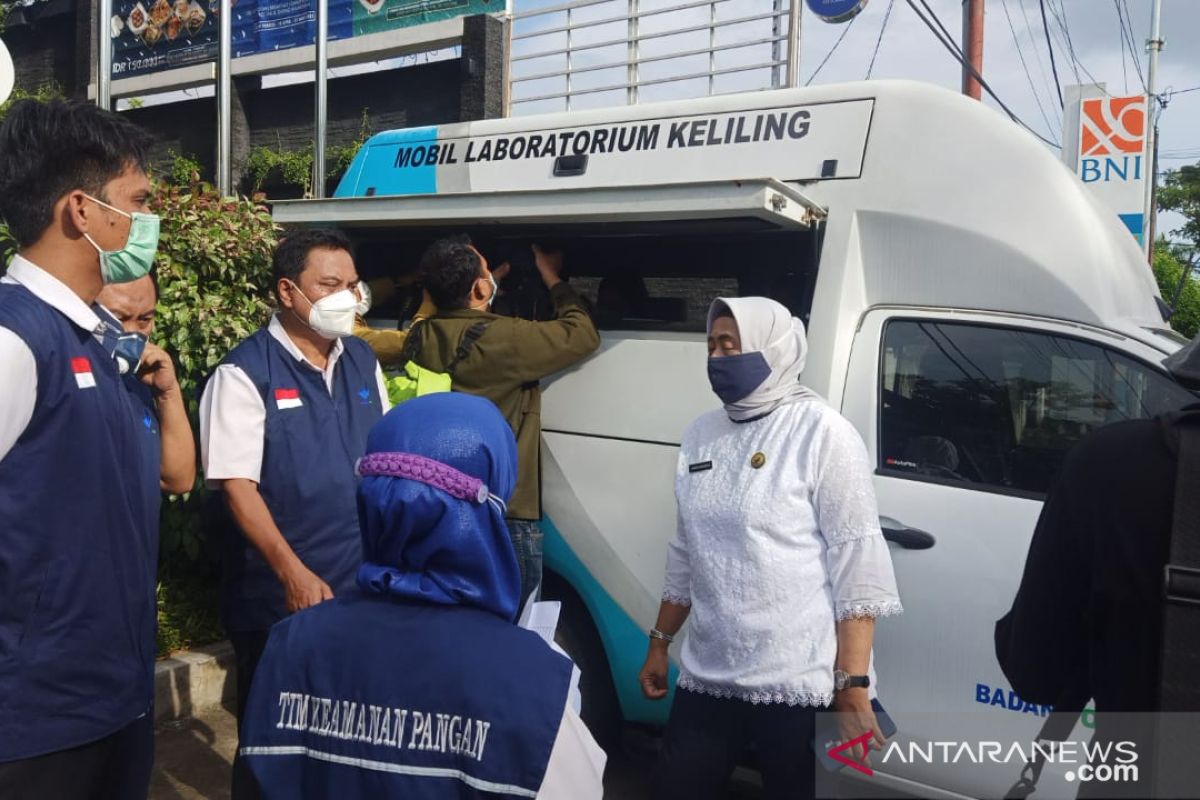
pixel 707 735
pixel 116 767
pixel 248 648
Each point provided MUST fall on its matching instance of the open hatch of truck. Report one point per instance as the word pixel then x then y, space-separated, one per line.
pixel 646 257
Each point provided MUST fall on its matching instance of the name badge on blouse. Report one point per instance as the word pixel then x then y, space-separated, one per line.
pixel 700 467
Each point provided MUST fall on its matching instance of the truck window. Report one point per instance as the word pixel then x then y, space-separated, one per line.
pixel 668 283
pixel 998 408
pixel 633 279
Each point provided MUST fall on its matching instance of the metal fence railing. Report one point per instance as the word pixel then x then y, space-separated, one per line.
pixel 573 54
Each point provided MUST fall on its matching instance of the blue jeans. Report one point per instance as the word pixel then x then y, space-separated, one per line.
pixel 526 536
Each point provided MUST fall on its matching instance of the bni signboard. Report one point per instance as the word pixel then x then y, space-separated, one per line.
pixel 1109 152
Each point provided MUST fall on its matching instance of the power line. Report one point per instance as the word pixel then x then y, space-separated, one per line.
pixel 1035 48
pixel 1053 66
pixel 1121 39
pixel 1061 17
pixel 1064 41
pixel 947 41
pixel 945 36
pixel 1127 29
pixel 833 49
pixel 879 41
pixel 1024 65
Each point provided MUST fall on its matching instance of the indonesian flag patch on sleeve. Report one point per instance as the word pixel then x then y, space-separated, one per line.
pixel 287 398
pixel 82 368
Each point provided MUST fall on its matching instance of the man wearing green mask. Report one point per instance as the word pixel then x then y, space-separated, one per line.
pixel 79 462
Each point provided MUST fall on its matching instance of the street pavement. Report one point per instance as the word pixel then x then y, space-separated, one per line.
pixel 193 758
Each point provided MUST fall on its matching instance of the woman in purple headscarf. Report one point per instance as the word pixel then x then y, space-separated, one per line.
pixel 421 685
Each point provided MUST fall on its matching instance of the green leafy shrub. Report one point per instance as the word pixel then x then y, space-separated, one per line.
pixel 185 169
pixel 1168 269
pixel 280 167
pixel 214 271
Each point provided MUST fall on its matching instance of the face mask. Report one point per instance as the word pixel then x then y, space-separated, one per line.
pixel 733 378
pixel 128 352
pixel 364 303
pixel 136 258
pixel 331 316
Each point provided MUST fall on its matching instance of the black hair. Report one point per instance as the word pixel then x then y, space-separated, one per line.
pixel 291 254
pixel 50 149
pixel 450 268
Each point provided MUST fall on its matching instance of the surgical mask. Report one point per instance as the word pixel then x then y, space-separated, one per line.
pixel 136 258
pixel 331 316
pixel 128 352
pixel 734 378
pixel 364 302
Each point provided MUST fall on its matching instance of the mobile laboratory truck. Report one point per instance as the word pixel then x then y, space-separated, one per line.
pixel 971 308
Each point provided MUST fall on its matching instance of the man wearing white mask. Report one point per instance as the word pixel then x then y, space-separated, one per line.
pixel 283 419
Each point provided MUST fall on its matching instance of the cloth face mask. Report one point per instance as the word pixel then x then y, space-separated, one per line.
pixel 733 378
pixel 136 258
pixel 128 352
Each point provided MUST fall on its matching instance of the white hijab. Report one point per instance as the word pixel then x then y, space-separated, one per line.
pixel 768 327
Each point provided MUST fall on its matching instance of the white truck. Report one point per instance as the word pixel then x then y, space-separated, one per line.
pixel 971 308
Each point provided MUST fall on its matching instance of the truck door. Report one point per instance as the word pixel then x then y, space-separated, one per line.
pixel 968 418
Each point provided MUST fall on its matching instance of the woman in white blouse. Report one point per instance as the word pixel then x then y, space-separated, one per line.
pixel 778 561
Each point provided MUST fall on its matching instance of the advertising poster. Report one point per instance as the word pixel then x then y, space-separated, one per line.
pixel 155 35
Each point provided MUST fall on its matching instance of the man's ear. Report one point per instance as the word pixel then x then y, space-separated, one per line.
pixel 285 292
pixel 477 295
pixel 78 214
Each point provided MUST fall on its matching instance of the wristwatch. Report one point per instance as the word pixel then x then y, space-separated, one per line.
pixel 844 680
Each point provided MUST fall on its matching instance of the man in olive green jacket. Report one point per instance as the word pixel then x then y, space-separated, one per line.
pixel 503 359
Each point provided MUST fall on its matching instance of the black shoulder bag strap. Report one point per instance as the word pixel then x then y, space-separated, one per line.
pixel 412 343
pixel 1179 687
pixel 1056 728
pixel 464 347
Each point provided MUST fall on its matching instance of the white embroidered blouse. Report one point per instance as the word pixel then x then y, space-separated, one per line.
pixel 778 538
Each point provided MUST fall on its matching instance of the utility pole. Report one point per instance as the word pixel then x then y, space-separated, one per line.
pixel 104 57
pixel 973 46
pixel 1154 45
pixel 225 98
pixel 321 97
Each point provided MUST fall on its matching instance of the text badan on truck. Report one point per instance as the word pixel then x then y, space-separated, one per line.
pixel 970 308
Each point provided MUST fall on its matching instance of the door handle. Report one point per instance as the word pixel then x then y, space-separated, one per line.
pixel 906 537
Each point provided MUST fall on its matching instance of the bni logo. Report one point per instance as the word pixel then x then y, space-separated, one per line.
pixel 1112 133
pixel 1112 126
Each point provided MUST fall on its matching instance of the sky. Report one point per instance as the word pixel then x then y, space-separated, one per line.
pixel 907 49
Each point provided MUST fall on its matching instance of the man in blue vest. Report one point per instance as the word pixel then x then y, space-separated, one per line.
pixel 79 474
pixel 283 419
pixel 418 684
pixel 150 375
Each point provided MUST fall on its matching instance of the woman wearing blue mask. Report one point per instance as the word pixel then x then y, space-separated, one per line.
pixel 419 684
pixel 779 563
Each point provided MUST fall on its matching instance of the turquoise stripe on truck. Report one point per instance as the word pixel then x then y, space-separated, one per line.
pixel 623 639
pixel 376 170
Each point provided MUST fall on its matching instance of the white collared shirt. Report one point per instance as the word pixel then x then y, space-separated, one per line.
pixel 18 369
pixel 233 418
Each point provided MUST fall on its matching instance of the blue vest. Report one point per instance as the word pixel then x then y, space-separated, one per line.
pixel 370 697
pixel 312 441
pixel 78 544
